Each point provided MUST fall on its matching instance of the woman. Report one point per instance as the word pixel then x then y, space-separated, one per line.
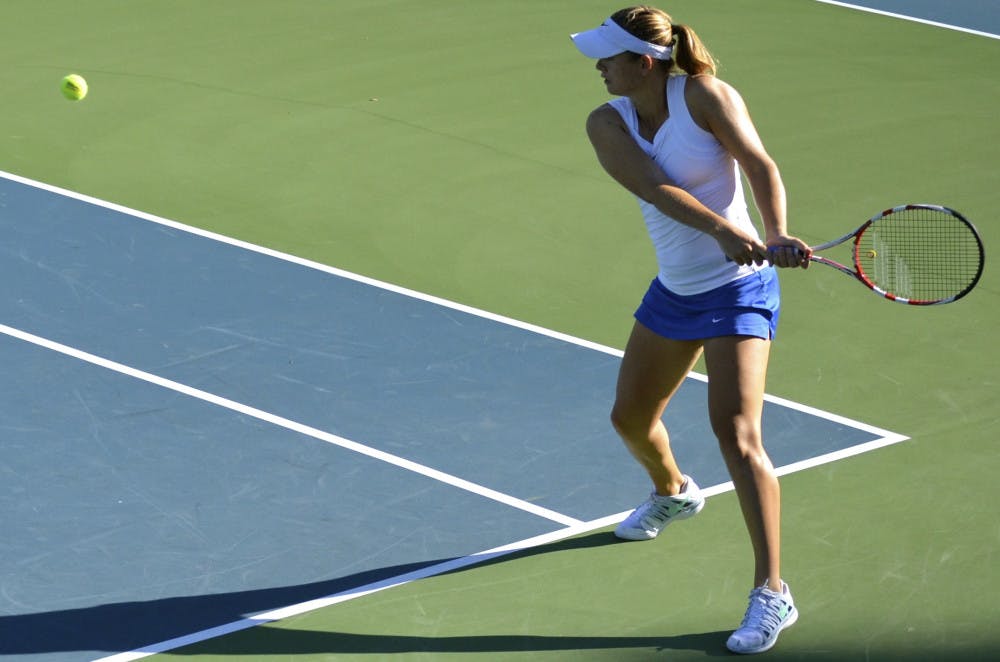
pixel 677 137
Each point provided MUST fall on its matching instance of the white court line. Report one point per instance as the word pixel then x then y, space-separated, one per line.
pixel 456 564
pixel 907 17
pixel 368 589
pixel 97 202
pixel 572 526
pixel 280 421
pixel 400 290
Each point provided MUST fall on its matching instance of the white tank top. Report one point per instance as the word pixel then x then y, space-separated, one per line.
pixel 690 261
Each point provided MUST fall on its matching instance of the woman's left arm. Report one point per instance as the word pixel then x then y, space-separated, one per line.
pixel 719 109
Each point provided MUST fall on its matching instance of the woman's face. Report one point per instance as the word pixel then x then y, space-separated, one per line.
pixel 621 73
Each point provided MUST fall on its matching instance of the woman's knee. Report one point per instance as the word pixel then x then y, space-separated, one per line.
pixel 739 438
pixel 631 422
pixel 620 420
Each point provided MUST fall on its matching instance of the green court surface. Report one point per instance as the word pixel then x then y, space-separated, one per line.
pixel 439 145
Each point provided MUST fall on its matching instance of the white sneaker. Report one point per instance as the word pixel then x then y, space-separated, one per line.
pixel 651 517
pixel 768 614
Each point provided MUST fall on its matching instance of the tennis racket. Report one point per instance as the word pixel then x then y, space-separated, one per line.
pixel 920 255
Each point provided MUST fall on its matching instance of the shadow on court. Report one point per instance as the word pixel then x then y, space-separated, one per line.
pixel 291 642
pixel 274 641
pixel 126 626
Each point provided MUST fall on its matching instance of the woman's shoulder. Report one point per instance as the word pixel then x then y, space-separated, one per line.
pixel 707 96
pixel 609 112
pixel 708 88
pixel 606 108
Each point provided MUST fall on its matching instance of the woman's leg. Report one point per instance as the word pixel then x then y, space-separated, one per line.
pixel 737 368
pixel 651 371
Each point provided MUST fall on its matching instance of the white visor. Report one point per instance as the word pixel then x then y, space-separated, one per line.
pixel 611 39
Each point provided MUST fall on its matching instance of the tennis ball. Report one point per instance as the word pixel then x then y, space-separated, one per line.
pixel 872 254
pixel 74 87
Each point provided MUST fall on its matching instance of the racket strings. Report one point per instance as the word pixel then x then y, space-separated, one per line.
pixel 920 254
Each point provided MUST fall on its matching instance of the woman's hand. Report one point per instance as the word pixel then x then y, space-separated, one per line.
pixel 787 251
pixel 741 248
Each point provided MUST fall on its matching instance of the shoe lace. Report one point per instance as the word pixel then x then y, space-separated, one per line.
pixel 654 512
pixel 762 613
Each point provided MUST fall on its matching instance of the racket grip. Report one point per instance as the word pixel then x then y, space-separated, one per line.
pixel 770 251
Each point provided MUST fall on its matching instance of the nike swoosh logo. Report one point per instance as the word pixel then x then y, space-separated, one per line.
pixel 716 320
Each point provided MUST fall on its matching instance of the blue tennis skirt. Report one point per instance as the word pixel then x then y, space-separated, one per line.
pixel 745 307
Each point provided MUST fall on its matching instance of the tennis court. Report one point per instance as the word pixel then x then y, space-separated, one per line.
pixel 311 339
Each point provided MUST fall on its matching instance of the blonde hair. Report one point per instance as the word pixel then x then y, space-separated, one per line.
pixel 655 26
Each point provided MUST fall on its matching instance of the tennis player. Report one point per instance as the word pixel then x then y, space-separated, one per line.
pixel 677 138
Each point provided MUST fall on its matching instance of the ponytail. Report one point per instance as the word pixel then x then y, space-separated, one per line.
pixel 690 54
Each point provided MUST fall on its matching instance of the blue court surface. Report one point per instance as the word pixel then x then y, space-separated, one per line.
pixel 197 430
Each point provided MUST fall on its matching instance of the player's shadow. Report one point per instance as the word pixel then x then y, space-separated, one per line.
pixel 290 642
pixel 125 626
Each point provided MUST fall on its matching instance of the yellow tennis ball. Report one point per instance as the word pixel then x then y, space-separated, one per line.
pixel 872 254
pixel 74 87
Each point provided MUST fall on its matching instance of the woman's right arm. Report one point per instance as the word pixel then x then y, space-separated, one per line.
pixel 627 164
